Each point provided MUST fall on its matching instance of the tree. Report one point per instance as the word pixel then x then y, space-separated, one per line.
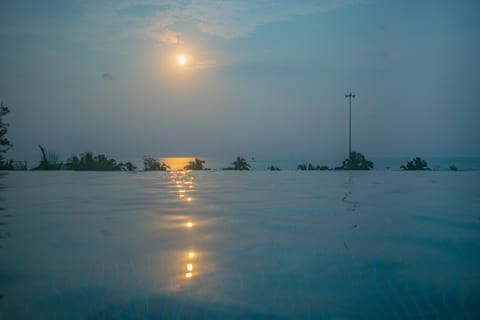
pixel 416 164
pixel 151 164
pixel 239 164
pixel 89 162
pixel 49 160
pixel 356 161
pixel 5 144
pixel 302 166
pixel 196 164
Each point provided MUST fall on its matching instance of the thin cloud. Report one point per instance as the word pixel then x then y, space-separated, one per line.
pixel 235 19
pixel 141 10
pixel 166 37
pixel 226 19
pixel 105 24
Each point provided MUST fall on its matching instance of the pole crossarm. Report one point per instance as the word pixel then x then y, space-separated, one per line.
pixel 350 95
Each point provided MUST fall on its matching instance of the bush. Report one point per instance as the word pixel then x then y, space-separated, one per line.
pixel 6 165
pixel 416 164
pixel 311 167
pixel 356 161
pixel 273 168
pixel 13 165
pixel 151 164
pixel 89 162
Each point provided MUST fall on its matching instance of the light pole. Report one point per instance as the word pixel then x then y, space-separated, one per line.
pixel 349 96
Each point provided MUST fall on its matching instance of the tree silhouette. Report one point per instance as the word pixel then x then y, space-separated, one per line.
pixel 302 167
pixel 151 164
pixel 311 167
pixel 416 164
pixel 5 144
pixel 196 164
pixel 273 168
pixel 356 161
pixel 89 162
pixel 49 161
pixel 239 164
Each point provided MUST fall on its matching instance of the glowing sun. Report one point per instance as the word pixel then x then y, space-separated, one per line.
pixel 182 59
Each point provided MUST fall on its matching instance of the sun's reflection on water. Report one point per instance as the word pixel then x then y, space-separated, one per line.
pixel 183 183
pixel 189 273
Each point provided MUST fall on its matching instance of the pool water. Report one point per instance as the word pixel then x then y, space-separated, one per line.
pixel 240 245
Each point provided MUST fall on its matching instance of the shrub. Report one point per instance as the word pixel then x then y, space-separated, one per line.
pixel 416 164
pixel 356 161
pixel 89 162
pixel 151 164
pixel 311 167
pixel 6 165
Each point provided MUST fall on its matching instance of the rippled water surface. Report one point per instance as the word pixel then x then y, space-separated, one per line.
pixel 257 245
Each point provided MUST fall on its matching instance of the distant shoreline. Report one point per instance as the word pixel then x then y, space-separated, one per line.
pixel 262 164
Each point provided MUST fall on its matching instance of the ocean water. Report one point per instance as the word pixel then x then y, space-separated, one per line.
pixel 240 245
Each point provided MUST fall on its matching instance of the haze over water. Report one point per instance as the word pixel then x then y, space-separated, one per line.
pixel 259 78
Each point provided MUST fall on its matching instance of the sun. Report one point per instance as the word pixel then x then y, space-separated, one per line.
pixel 182 59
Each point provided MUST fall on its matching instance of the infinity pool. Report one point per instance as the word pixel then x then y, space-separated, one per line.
pixel 240 245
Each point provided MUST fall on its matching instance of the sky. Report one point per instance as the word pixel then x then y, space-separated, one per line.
pixel 263 78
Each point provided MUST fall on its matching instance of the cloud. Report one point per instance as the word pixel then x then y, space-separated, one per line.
pixel 166 37
pixel 106 25
pixel 223 19
pixel 141 10
pixel 108 76
pixel 235 19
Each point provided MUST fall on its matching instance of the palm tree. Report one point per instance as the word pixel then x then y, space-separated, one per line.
pixel 196 164
pixel 49 161
pixel 239 164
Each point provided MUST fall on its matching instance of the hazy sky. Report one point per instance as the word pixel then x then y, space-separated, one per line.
pixel 263 78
